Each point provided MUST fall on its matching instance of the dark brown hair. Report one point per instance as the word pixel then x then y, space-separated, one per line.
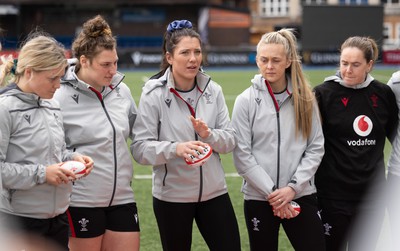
pixel 94 37
pixel 171 39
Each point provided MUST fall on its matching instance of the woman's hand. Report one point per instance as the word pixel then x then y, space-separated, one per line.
pixel 286 211
pixel 200 127
pixel 87 161
pixel 185 149
pixel 56 175
pixel 278 198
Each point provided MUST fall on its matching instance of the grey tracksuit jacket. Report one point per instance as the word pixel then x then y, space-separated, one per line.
pixel 394 159
pixel 98 125
pixel 163 121
pixel 269 155
pixel 32 137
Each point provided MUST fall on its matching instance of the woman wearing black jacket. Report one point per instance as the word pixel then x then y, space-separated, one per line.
pixel 358 114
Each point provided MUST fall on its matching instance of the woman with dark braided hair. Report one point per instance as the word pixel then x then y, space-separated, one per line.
pixel 99 113
pixel 180 110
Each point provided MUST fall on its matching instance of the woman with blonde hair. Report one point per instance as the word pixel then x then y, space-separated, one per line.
pixel 35 188
pixel 99 113
pixel 280 146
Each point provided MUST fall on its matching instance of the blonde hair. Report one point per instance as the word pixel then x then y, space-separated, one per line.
pixel 302 94
pixel 5 68
pixel 6 64
pixel 40 53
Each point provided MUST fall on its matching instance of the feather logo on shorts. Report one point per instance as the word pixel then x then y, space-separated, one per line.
pixel 362 125
pixel 84 223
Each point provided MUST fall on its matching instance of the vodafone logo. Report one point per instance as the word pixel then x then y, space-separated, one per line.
pixel 362 125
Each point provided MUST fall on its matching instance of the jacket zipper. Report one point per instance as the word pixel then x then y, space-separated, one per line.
pixel 271 93
pixel 100 97
pixel 51 144
pixel 193 113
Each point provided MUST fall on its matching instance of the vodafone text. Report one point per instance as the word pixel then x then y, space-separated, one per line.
pixel 361 142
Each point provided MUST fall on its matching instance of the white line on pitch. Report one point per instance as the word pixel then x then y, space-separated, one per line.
pixel 149 176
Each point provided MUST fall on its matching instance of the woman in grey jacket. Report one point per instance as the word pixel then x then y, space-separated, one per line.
pixel 393 168
pixel 99 113
pixel 36 189
pixel 280 146
pixel 180 110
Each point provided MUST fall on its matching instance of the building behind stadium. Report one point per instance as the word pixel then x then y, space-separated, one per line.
pixel 230 29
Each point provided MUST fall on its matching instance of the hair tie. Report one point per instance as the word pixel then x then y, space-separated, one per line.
pixel 179 25
pixel 14 67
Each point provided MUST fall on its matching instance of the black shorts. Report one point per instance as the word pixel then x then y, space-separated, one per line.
pixel 92 222
pixel 54 231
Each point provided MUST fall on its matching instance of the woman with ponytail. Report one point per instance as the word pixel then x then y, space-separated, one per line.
pixel 36 190
pixel 358 114
pixel 280 146
pixel 180 111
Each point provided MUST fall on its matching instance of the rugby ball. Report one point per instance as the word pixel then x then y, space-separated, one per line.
pixel 78 168
pixel 201 159
pixel 295 206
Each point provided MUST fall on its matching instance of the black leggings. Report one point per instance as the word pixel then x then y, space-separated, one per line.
pixel 305 231
pixel 352 225
pixel 215 219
